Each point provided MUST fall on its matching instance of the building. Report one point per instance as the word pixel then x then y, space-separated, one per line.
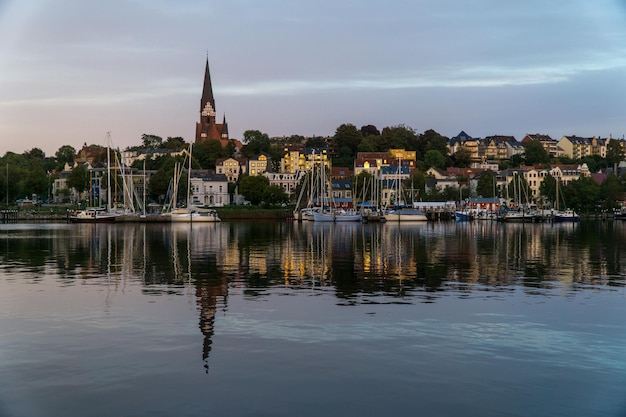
pixel 259 164
pixel 370 162
pixel 300 158
pixel 577 147
pixel 232 168
pixel 288 180
pixel 209 189
pixel 494 147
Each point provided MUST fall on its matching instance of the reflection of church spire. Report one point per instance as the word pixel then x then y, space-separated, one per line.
pixel 208 293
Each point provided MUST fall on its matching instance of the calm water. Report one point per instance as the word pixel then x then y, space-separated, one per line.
pixel 281 319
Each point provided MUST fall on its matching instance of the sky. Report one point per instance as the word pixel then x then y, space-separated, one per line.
pixel 73 70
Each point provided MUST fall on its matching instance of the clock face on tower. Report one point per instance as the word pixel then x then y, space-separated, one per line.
pixel 208 110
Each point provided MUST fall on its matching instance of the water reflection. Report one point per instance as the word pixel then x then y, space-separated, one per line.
pixel 359 264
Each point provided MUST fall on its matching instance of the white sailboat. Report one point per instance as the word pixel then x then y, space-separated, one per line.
pixel 191 213
pixel 98 214
pixel 566 215
pixel 401 212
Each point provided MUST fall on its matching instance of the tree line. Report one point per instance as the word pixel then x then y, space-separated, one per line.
pixel 32 173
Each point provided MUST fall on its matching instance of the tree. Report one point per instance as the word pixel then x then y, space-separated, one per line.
pixel 582 194
pixel 434 158
pixel 536 153
pixel 253 188
pixel 255 143
pixel 151 141
pixel 416 183
pixel 462 157
pixel 275 195
pixel 276 153
pixel 613 191
pixel 486 184
pixel 316 142
pixel 65 155
pixel 396 137
pixel 547 189
pixel 347 138
pixel 160 180
pixel 174 143
pixel 78 179
pixel 369 130
pixel 205 153
pixel 431 140
pixel 614 152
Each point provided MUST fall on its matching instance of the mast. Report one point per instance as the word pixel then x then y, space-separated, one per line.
pixel 189 179
pixel 109 171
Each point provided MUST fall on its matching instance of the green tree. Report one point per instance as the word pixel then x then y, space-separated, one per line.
pixel 582 194
pixel 78 179
pixel 416 185
pixel 535 153
pixel 486 184
pixel 255 143
pixel 396 137
pixel 253 188
pixel 316 142
pixel 462 157
pixel 369 144
pixel 431 140
pixel 276 153
pixel 346 140
pixel 614 152
pixel 205 154
pixel 434 158
pixel 64 155
pixel 151 141
pixel 369 130
pixel 547 189
pixel 160 181
pixel 274 195
pixel 174 143
pixel 613 191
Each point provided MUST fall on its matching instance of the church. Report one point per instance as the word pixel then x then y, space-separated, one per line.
pixel 207 128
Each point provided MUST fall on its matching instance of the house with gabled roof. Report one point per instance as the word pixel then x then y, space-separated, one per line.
pixel 577 147
pixel 232 168
pixel 494 147
pixel 209 188
pixel 259 164
pixel 370 162
pixel 464 141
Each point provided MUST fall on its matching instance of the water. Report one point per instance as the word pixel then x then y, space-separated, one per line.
pixel 281 319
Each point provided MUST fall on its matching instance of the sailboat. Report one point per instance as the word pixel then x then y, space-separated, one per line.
pixel 566 215
pixel 522 212
pixel 401 212
pixel 98 214
pixel 331 214
pixel 190 213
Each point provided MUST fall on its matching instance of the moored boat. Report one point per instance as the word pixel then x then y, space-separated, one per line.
pixel 406 214
pixel 92 215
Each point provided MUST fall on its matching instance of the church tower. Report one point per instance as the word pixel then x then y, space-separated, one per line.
pixel 207 128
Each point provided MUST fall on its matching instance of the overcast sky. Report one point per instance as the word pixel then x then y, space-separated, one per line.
pixel 71 70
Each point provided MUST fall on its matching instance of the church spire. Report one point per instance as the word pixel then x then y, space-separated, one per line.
pixel 207 102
